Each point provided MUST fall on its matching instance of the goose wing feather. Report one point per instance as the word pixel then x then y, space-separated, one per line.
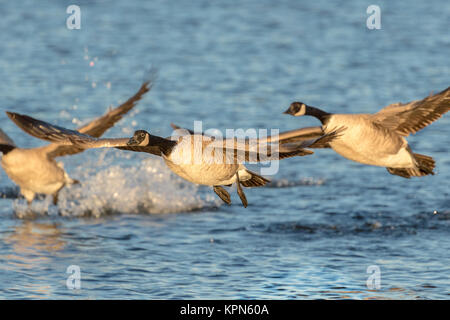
pixel 255 151
pixel 99 126
pixel 406 118
pixel 176 127
pixel 321 142
pixel 250 149
pixel 95 128
pixel 302 134
pixel 271 147
pixel 290 143
pixel 71 138
pixel 61 136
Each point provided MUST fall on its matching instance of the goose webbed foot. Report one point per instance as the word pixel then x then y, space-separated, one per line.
pixel 223 194
pixel 55 198
pixel 28 195
pixel 240 191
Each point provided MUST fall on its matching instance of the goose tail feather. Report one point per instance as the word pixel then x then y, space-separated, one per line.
pixel 255 181
pixel 425 164
pixel 424 167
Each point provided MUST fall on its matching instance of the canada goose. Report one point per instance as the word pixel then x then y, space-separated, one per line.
pixel 197 158
pixel 36 171
pixel 378 139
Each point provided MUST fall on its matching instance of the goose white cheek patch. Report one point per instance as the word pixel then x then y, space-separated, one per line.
pixel 302 111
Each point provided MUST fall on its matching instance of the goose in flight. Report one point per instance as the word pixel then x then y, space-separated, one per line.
pixel 379 139
pixel 36 171
pixel 195 157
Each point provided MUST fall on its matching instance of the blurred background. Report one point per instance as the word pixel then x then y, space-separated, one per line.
pixel 138 231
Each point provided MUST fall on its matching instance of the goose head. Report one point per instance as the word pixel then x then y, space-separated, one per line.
pixel 296 109
pixel 140 138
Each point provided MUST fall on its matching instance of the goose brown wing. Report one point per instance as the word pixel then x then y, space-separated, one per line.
pixel 245 151
pixel 288 144
pixel 99 126
pixel 61 136
pixel 43 130
pixel 265 149
pixel 302 134
pixel 321 142
pixel 95 128
pixel 175 127
pixel 406 118
pixel 71 138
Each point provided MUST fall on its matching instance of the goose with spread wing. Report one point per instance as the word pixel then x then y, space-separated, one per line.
pixel 196 157
pixel 35 170
pixel 379 139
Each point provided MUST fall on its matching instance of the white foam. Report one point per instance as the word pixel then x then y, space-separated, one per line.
pixel 143 186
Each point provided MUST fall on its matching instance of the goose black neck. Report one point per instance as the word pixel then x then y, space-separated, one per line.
pixel 165 145
pixel 317 113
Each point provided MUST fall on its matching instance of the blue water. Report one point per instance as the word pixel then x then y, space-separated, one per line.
pixel 137 231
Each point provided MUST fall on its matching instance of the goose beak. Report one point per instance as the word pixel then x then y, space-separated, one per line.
pixel 288 111
pixel 132 142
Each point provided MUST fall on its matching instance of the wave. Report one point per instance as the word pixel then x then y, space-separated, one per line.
pixel 286 183
pixel 377 224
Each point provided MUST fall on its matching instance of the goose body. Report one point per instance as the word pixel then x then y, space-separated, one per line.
pixel 379 139
pixel 197 158
pixel 363 141
pixel 181 161
pixel 36 171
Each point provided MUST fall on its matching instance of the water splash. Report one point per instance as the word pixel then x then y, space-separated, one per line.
pixel 138 185
pixel 126 183
pixel 147 186
pixel 9 192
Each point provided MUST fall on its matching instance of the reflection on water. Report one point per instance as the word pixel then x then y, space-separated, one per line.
pixel 32 244
pixel 33 237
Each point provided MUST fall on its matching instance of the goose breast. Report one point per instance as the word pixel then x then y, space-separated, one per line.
pixel 32 170
pixel 367 142
pixel 192 160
